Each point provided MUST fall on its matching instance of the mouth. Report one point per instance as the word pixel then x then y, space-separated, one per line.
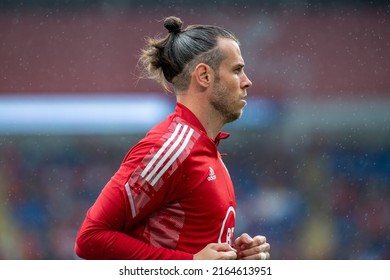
pixel 242 99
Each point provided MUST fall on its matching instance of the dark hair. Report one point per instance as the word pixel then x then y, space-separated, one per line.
pixel 170 59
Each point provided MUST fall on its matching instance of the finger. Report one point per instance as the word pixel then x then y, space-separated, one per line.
pixel 259 239
pixel 242 239
pixel 224 251
pixel 257 256
pixel 256 241
pixel 254 251
pixel 223 247
pixel 229 255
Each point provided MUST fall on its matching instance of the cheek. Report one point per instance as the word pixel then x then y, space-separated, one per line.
pixel 238 82
pixel 233 84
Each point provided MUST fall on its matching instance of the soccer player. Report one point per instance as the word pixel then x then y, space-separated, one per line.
pixel 172 197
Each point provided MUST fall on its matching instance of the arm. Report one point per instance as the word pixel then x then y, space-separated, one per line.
pixel 101 235
pixel 108 244
pixel 102 239
pixel 109 229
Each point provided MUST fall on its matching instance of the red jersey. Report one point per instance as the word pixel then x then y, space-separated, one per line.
pixel 171 196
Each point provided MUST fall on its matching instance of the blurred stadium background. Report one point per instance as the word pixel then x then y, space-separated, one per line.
pixel 310 159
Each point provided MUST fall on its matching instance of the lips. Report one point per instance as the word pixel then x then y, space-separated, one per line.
pixel 244 101
pixel 242 98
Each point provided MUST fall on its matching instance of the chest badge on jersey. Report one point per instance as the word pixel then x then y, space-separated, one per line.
pixel 212 175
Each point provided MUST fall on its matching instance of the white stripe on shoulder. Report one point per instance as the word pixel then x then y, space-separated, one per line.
pixel 176 155
pixel 167 154
pixel 162 149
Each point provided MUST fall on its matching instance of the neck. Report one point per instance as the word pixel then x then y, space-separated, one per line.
pixel 208 117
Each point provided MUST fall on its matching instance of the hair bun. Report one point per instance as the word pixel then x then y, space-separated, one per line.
pixel 173 24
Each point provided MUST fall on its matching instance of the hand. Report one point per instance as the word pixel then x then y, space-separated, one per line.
pixel 216 251
pixel 249 248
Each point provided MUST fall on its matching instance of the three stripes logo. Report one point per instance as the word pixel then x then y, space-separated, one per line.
pixel 169 152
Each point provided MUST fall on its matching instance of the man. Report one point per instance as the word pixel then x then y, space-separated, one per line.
pixel 172 197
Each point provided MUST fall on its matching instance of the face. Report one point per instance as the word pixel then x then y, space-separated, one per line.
pixel 229 89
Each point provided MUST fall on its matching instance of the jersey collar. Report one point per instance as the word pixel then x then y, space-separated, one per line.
pixel 186 114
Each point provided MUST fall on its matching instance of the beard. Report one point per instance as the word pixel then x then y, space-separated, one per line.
pixel 227 108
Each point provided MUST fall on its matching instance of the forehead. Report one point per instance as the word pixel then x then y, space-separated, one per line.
pixel 232 51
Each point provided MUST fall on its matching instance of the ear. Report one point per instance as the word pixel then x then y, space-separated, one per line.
pixel 203 75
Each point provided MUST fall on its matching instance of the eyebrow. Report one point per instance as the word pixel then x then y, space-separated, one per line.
pixel 239 65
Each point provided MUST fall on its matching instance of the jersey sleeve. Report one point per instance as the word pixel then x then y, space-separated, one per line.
pixel 101 235
pixel 142 184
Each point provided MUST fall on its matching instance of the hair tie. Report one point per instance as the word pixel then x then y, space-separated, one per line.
pixel 175 31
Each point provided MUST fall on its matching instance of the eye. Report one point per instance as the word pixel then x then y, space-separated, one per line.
pixel 238 70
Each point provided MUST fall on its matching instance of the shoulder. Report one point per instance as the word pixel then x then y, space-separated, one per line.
pixel 174 135
pixel 164 149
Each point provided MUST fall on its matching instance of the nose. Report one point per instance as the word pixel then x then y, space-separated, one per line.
pixel 246 83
